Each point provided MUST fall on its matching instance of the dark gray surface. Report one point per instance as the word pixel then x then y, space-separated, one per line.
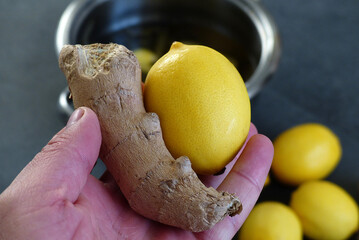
pixel 30 81
pixel 317 81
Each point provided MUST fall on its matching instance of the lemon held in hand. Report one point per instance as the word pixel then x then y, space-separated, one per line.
pixel 271 221
pixel 305 152
pixel 202 103
pixel 326 211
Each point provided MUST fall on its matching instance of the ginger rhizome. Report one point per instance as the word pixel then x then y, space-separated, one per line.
pixel 107 79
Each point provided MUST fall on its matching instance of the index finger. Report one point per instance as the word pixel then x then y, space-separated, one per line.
pixel 245 180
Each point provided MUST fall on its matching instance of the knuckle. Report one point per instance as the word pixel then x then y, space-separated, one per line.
pixel 61 146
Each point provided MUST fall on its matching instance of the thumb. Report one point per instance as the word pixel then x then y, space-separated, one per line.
pixel 62 167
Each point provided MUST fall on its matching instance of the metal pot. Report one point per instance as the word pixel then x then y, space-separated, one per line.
pixel 240 29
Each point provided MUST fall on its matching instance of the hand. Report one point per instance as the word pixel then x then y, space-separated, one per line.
pixel 55 197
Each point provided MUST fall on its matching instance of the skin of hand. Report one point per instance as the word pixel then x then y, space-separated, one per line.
pixel 55 197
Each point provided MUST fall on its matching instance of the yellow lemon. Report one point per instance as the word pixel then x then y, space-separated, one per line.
pixel 271 221
pixel 326 211
pixel 305 152
pixel 146 58
pixel 267 182
pixel 202 103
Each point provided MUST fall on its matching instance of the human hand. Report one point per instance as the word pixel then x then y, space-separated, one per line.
pixel 55 197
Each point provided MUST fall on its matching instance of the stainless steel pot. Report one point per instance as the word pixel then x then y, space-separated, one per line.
pixel 242 30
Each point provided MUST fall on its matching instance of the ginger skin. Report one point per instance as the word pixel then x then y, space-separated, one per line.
pixel 107 79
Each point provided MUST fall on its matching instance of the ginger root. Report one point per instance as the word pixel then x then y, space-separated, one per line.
pixel 107 79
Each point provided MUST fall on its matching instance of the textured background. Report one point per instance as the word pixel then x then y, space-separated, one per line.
pixel 317 81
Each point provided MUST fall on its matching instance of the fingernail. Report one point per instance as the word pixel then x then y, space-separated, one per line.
pixel 75 116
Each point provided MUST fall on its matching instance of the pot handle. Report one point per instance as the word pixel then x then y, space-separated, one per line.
pixel 65 103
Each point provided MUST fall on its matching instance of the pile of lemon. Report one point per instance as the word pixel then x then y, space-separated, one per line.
pixel 303 156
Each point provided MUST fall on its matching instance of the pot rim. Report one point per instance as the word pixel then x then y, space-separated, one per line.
pixel 262 20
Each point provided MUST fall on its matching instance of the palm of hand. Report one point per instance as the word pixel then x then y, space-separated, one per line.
pixel 54 197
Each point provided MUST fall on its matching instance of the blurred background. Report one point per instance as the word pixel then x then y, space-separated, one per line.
pixel 317 80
